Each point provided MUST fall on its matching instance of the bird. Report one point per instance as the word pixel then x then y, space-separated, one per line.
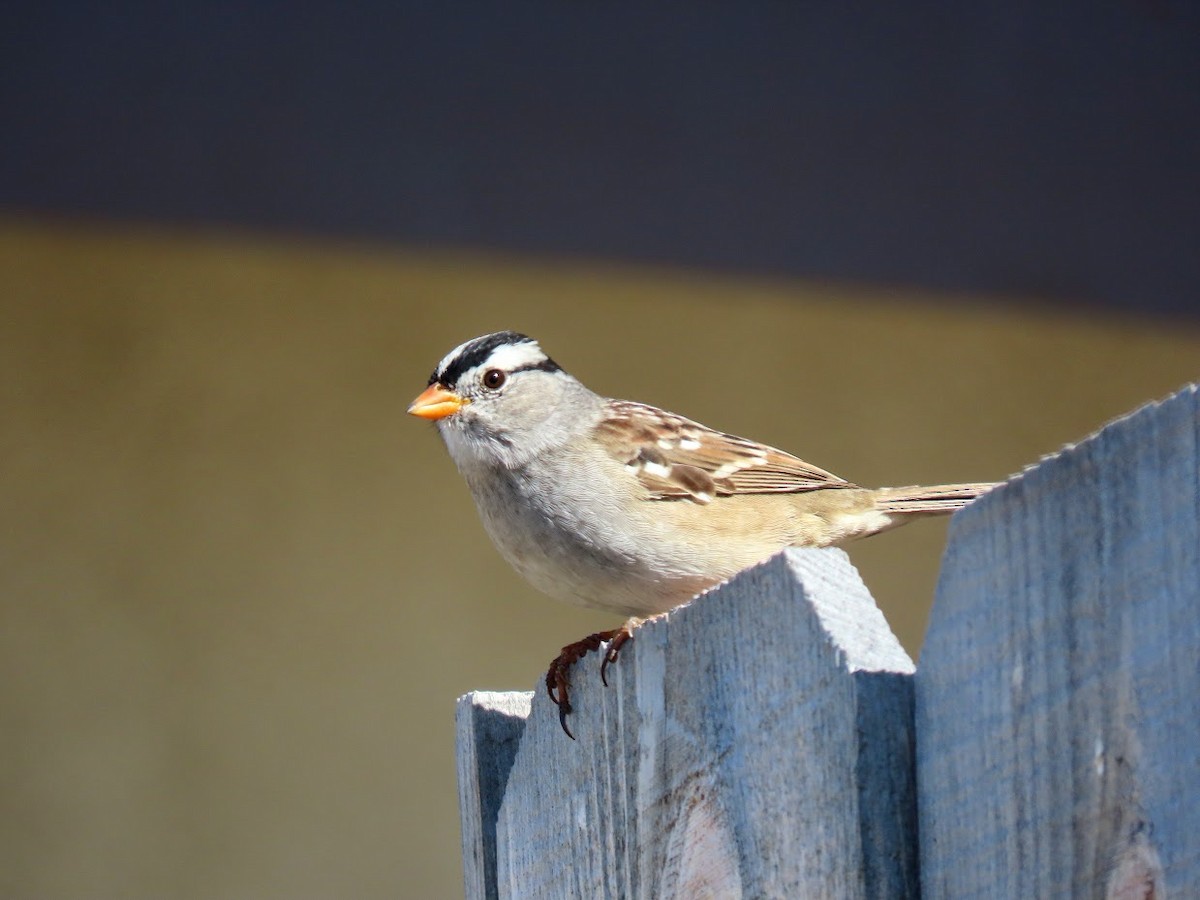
pixel 624 507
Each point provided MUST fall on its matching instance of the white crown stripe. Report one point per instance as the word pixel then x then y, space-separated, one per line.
pixel 513 356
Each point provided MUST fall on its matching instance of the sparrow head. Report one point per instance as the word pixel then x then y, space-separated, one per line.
pixel 496 393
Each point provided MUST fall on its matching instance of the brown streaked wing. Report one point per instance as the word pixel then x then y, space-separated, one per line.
pixel 674 457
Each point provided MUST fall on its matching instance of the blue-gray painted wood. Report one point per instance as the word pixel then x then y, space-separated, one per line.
pixel 1058 699
pixel 489 727
pixel 756 743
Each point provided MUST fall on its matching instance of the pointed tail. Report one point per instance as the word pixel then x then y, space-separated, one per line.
pixel 937 499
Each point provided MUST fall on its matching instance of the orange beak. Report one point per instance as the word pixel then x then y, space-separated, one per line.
pixel 436 403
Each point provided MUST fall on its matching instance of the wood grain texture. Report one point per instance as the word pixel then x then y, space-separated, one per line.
pixel 489 727
pixel 1058 699
pixel 756 743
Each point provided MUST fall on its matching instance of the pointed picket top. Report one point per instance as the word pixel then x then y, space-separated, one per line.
pixel 756 742
pixel 1058 699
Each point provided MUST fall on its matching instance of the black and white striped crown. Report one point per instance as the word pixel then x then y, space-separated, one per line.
pixel 508 351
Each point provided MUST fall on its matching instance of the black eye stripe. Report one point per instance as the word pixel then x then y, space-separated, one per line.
pixel 546 365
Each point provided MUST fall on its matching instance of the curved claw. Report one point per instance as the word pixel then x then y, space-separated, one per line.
pixel 619 638
pixel 556 687
pixel 563 709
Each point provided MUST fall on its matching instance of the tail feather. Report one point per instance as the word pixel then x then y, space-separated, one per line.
pixel 941 498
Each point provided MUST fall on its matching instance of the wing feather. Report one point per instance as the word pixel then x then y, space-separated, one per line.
pixel 674 458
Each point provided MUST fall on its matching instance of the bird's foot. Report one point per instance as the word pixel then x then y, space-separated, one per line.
pixel 558 676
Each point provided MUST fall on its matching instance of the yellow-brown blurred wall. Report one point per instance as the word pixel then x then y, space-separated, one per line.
pixel 240 589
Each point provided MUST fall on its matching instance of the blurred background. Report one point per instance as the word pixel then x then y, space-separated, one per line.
pixel 240 590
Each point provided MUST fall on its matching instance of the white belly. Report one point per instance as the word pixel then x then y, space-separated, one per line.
pixel 574 548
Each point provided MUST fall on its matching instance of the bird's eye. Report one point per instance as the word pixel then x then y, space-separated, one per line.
pixel 493 378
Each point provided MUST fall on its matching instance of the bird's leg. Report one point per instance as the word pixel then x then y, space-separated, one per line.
pixel 558 677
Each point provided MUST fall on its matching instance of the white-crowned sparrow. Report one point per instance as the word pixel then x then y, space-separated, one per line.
pixel 624 507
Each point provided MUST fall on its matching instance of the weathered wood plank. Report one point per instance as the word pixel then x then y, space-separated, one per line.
pixel 757 743
pixel 1058 698
pixel 489 727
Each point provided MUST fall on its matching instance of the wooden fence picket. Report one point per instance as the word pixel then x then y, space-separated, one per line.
pixel 1058 698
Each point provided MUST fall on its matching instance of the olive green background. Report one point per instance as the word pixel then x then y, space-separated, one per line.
pixel 240 590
